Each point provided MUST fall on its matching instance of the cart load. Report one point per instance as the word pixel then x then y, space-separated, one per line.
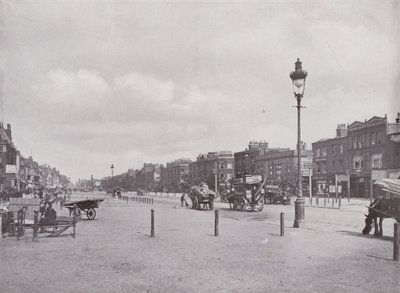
pixel 202 196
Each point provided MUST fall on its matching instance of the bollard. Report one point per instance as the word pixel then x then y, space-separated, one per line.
pixel 340 201
pixel 216 231
pixel 35 224
pixel 317 199
pixel 396 241
pixel 333 202
pixel 152 223
pixel 311 201
pixel 282 224
pixel 107 200
pixel 74 222
pixel 324 200
pixel 152 201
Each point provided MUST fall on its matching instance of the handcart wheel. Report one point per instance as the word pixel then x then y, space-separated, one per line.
pixel 260 208
pixel 91 214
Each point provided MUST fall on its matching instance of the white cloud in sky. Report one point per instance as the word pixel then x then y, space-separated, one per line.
pixel 110 82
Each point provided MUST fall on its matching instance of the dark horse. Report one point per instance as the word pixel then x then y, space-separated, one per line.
pixel 373 215
pixel 381 208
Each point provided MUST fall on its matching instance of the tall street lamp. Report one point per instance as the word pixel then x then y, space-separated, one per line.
pixel 112 175
pixel 298 78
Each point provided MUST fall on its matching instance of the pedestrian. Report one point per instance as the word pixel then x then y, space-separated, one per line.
pixel 183 199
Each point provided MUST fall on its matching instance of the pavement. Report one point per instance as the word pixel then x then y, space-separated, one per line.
pixel 115 253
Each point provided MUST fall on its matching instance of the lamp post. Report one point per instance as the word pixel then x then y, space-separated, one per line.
pixel 298 78
pixel 112 175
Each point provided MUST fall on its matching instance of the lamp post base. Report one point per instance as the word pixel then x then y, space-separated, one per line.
pixel 299 212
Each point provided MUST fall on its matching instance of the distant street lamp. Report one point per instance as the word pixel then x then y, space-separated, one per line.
pixel 298 78
pixel 112 175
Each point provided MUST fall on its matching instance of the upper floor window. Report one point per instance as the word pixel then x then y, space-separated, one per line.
pixel 323 167
pixel 341 148
pixel 278 169
pixel 318 152
pixel 358 162
pixel 324 151
pixel 373 138
pixel 333 150
pixel 376 161
pixel 379 138
pixel 341 165
pixel 270 170
pixel 318 168
pixel 333 166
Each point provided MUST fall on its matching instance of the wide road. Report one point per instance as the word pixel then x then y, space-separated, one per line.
pixel 114 253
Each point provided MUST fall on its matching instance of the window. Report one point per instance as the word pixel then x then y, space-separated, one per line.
pixel 324 151
pixel 323 167
pixel 358 162
pixel 359 145
pixel 333 150
pixel 379 138
pixel 333 166
pixel 373 138
pixel 278 170
pixel 354 142
pixel 341 148
pixel 3 148
pixel 341 165
pixel 221 166
pixel 376 161
pixel 318 168
pixel 318 152
pixel 271 170
pixel 228 165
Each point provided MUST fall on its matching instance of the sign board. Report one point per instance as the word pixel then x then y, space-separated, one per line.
pixel 341 177
pixel 253 179
pixel 308 165
pixel 11 169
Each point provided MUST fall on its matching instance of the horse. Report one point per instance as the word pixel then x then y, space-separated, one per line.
pixel 380 208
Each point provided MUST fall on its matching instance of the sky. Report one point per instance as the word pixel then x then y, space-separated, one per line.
pixel 87 84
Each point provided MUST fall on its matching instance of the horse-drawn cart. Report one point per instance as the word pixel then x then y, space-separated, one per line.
pixel 201 196
pixel 86 205
pixel 247 193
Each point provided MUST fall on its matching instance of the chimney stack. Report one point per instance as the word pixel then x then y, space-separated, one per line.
pixel 341 130
pixel 8 131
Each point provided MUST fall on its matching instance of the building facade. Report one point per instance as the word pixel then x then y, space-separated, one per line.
pixel 360 154
pixel 279 167
pixel 174 176
pixel 245 161
pixel 214 168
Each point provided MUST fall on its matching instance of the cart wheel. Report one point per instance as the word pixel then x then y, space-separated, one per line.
pixel 260 208
pixel 91 214
pixel 211 205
